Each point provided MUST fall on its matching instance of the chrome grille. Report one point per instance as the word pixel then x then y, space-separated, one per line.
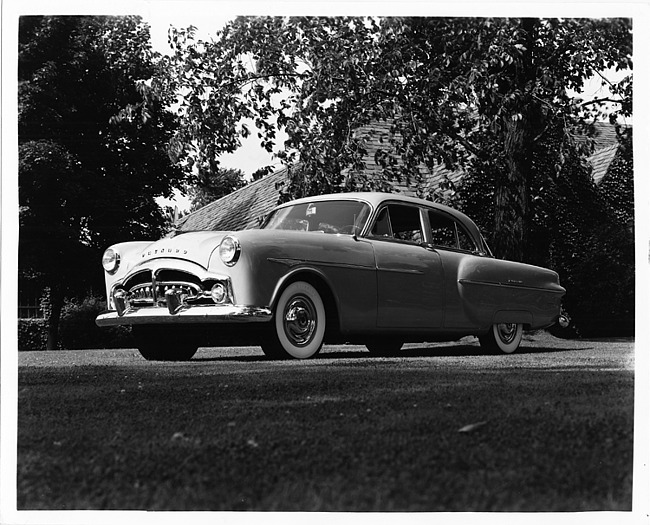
pixel 149 295
pixel 148 289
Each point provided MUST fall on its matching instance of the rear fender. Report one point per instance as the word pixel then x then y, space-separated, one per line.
pixel 513 316
pixel 497 291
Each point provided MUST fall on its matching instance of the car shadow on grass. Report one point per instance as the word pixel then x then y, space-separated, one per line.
pixel 438 350
pixel 443 351
pixel 241 358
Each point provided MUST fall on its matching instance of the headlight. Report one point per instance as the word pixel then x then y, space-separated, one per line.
pixel 111 260
pixel 229 250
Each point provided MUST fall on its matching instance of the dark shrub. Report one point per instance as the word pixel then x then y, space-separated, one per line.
pixel 78 329
pixel 32 334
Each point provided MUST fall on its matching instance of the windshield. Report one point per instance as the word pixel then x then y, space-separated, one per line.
pixel 346 217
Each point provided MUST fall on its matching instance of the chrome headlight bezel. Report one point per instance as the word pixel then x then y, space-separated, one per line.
pixel 229 250
pixel 111 260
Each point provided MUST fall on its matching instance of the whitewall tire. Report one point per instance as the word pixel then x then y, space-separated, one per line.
pixel 503 338
pixel 298 323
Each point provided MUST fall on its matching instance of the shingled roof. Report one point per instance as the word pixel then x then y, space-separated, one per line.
pixel 244 208
pixel 238 210
pixel 601 160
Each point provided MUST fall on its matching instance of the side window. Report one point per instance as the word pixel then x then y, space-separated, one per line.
pixel 381 228
pixel 445 231
pixel 465 241
pixel 398 222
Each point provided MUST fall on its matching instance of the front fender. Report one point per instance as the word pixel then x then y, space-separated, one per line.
pixel 128 252
pixel 304 273
pixel 270 260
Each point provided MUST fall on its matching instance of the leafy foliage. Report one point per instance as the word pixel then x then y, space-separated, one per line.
pixel 86 178
pixel 79 331
pixel 32 334
pixel 453 89
pixel 618 186
pixel 208 187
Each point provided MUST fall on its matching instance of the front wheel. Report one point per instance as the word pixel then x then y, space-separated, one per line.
pixel 503 338
pixel 159 343
pixel 298 323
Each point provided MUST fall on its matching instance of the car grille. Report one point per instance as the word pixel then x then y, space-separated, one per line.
pixel 146 289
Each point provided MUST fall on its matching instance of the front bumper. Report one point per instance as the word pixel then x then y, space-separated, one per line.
pixel 185 315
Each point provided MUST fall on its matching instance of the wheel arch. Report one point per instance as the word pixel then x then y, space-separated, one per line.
pixel 323 286
pixel 513 316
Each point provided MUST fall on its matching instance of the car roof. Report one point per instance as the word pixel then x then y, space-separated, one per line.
pixel 377 198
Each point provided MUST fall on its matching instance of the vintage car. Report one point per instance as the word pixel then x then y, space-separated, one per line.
pixel 365 268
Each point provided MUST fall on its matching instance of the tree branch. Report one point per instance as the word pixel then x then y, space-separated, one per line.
pixel 600 101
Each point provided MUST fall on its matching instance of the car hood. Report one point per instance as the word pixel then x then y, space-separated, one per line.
pixel 196 247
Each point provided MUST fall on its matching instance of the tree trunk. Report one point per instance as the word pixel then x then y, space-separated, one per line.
pixel 56 305
pixel 512 207
pixel 511 196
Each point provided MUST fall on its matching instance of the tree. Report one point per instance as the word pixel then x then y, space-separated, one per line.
pixel 208 187
pixel 86 178
pixel 453 88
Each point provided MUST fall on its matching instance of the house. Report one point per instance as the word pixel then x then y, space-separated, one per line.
pixel 245 207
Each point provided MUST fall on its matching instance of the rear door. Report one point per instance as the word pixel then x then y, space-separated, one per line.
pixel 454 245
pixel 409 276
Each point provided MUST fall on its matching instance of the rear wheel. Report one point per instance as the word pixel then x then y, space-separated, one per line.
pixel 161 343
pixel 503 338
pixel 298 323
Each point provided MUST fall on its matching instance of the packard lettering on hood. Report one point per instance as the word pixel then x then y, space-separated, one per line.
pixel 364 268
pixel 162 251
pixel 197 246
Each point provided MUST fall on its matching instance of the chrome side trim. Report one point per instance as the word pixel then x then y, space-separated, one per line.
pixel 510 285
pixel 286 262
pixel 186 315
pixel 401 270
pixel 295 262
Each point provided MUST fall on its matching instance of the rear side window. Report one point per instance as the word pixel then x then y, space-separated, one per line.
pixel 446 232
pixel 400 222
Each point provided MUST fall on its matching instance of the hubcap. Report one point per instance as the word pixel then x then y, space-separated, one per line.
pixel 507 332
pixel 300 320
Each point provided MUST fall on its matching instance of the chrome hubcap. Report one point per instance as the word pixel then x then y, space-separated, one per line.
pixel 300 320
pixel 507 332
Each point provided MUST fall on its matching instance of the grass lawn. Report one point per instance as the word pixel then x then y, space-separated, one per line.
pixel 543 430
